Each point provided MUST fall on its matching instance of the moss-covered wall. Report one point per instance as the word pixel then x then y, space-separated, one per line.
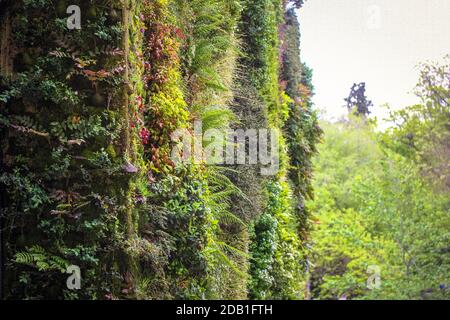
pixel 87 177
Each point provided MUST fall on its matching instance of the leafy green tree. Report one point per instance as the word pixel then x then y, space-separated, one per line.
pixel 422 132
pixel 374 208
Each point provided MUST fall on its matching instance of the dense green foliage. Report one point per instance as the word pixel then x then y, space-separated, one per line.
pixel 380 209
pixel 277 264
pixel 86 120
pixel 88 178
pixel 61 134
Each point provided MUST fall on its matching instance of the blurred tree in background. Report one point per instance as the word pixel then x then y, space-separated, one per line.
pixel 357 102
pixel 382 202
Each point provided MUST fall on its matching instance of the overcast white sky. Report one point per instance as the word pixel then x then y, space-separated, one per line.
pixel 376 41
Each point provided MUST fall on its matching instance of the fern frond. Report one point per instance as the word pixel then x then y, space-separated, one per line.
pixel 224 259
pixel 24 258
pixel 38 257
pixel 232 250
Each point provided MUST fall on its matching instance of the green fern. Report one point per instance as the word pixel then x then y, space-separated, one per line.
pixel 84 128
pixel 24 258
pixel 224 259
pixel 219 198
pixel 217 118
pixel 37 257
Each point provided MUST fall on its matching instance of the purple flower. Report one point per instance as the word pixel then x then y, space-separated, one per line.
pixel 343 297
pixel 141 199
pixel 129 168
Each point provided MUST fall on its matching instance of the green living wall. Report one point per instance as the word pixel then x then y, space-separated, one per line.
pixel 87 174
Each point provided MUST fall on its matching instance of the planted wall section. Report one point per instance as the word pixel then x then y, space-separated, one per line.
pixel 88 178
pixel 64 148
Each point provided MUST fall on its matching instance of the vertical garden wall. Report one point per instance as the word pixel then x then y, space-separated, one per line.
pixel 87 175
